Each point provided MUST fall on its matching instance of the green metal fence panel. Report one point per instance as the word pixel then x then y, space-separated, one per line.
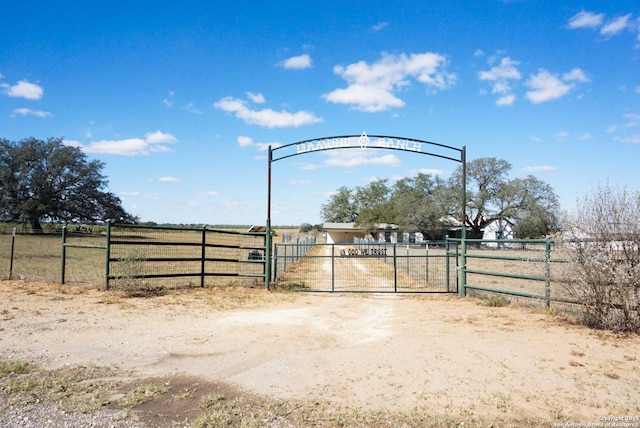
pixel 518 268
pixel 177 257
pixel 76 252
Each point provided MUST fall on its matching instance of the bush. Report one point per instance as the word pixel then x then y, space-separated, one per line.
pixel 601 242
pixel 130 281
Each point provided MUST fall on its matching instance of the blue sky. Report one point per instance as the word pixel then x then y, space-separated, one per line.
pixel 181 99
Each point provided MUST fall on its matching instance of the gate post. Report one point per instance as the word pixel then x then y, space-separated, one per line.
pixel 107 256
pixel 395 267
pixel 463 266
pixel 463 232
pixel 547 273
pixel 333 268
pixel 203 255
pixel 64 253
pixel 267 254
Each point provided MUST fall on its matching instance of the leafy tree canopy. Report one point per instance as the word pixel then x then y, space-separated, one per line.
pixel 491 195
pixel 425 203
pixel 46 180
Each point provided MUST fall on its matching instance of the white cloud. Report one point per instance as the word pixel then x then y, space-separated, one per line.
pixel 191 108
pixel 159 137
pixel 609 29
pixel 154 142
pixel 244 141
pixel 561 135
pixel 546 86
pixel 539 168
pixel 299 62
pixel 256 98
pixel 506 100
pixel 632 120
pixel 169 179
pixel 265 146
pixel 372 86
pixel 585 19
pixel 500 75
pixel 24 89
pixel 29 112
pixel 615 26
pixel 266 117
pixel 632 139
pixel 210 193
pixel 351 158
pixel 575 75
pixel 379 26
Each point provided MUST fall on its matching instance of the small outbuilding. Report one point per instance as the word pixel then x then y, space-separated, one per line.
pixel 342 233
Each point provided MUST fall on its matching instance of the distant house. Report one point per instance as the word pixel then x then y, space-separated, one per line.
pixel 342 233
pixel 347 233
pixel 497 229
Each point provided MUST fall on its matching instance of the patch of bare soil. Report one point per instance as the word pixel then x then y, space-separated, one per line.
pixel 437 360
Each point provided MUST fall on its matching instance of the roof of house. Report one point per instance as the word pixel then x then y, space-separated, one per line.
pixel 339 226
pixel 352 227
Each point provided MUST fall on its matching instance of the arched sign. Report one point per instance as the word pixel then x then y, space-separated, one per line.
pixel 363 142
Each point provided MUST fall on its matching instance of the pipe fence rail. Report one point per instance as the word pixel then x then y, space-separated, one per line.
pixel 176 257
pixel 125 255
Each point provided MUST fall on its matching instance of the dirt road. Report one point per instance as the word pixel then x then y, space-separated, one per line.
pixel 452 356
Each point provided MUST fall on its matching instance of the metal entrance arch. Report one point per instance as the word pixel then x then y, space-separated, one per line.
pixel 364 141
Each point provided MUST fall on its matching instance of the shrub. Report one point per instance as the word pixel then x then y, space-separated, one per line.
pixel 601 242
pixel 131 281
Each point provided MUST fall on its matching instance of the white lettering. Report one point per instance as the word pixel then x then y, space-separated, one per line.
pixel 352 142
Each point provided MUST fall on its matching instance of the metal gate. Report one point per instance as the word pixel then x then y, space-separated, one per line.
pixel 368 267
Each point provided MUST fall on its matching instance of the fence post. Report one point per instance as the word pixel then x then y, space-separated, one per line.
pixel 463 265
pixel 275 265
pixel 203 254
pixel 547 262
pixel 395 267
pixel 447 259
pixel 333 268
pixel 107 256
pixel 426 253
pixel 64 253
pixel 267 247
pixel 13 244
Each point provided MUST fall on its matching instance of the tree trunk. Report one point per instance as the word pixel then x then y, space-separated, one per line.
pixel 36 227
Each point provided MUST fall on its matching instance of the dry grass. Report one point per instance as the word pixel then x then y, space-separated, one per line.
pixel 195 403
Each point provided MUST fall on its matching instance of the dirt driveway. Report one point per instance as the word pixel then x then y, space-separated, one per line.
pixel 442 354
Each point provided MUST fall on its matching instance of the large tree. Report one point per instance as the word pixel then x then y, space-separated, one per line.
pixel 340 208
pixel 492 196
pixel 47 180
pixel 419 205
pixel 373 203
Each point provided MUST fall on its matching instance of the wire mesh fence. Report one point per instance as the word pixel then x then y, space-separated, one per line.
pixel 367 268
pixel 39 256
pixel 142 257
